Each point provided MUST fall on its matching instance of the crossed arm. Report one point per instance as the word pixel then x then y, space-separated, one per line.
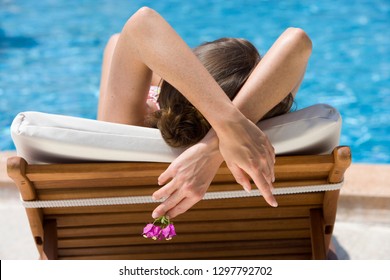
pixel 147 47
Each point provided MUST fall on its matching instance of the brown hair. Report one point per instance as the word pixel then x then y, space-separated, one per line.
pixel 230 62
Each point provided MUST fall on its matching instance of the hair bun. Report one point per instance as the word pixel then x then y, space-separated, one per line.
pixel 182 126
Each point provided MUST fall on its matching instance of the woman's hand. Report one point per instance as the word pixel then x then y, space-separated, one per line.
pixel 248 152
pixel 190 174
pixel 189 177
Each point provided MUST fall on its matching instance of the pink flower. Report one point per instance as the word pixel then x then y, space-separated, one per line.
pixel 148 231
pixel 169 232
pixel 166 230
pixel 156 233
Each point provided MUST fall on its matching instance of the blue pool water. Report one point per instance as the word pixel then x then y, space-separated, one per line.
pixel 50 55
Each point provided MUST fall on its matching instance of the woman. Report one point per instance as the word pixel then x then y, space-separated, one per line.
pixel 148 50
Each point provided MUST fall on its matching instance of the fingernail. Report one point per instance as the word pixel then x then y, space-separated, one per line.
pixel 274 204
pixel 247 188
pixel 273 179
pixel 154 215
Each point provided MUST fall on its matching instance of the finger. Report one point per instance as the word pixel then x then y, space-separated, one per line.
pixel 167 205
pixel 182 207
pixel 264 188
pixel 159 211
pixel 165 191
pixel 166 175
pixel 241 177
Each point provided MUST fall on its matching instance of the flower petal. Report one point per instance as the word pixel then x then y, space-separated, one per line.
pixel 166 232
pixel 148 228
pixel 156 232
pixel 173 231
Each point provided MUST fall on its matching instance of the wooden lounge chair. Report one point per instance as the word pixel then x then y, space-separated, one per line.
pixel 87 187
pixel 225 228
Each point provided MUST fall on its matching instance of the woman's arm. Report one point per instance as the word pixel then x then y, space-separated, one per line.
pixel 148 43
pixel 106 65
pixel 278 73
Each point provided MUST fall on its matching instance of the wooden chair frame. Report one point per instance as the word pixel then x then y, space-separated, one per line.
pixel 236 228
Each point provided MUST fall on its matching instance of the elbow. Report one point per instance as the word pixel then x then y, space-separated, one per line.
pixel 141 17
pixel 144 13
pixel 141 22
pixel 300 38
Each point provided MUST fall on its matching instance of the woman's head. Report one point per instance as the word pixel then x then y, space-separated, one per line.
pixel 230 62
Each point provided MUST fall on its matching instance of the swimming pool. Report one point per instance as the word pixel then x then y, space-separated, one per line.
pixel 50 55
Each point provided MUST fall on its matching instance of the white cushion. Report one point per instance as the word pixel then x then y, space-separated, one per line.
pixel 48 138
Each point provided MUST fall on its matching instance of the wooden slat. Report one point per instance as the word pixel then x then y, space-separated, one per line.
pixel 203 254
pixel 295 183
pixel 137 172
pixel 305 160
pixel 98 183
pixel 144 184
pixel 265 257
pixel 113 191
pixel 149 187
pixel 268 257
pixel 303 256
pixel 183 227
pixel 56 172
pixel 61 194
pixel 282 181
pixel 177 247
pixel 183 238
pixel 191 216
pixel 302 175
